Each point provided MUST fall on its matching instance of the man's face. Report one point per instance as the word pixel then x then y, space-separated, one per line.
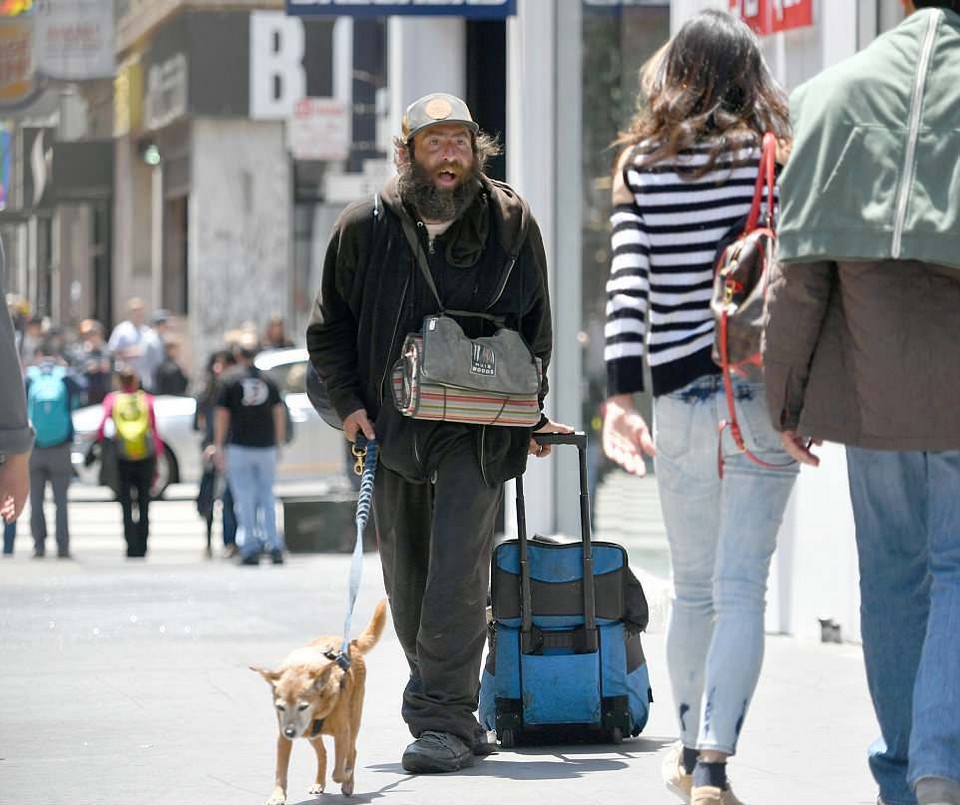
pixel 444 153
pixel 137 315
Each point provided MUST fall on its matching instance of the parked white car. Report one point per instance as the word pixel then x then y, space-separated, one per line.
pixel 315 450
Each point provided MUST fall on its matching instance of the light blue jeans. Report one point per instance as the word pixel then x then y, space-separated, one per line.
pixel 251 473
pixel 722 532
pixel 906 507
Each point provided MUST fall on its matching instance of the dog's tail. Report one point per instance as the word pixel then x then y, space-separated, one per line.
pixel 368 637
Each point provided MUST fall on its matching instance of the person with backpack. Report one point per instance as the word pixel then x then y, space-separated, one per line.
pixel 686 180
pixel 130 422
pixel 52 395
pixel 862 348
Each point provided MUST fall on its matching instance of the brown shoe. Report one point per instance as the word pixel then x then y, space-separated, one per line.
pixel 675 777
pixel 709 795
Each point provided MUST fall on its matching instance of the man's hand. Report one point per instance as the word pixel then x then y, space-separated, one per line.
pixel 218 456
pixel 356 422
pixel 799 448
pixel 14 485
pixel 543 450
pixel 626 438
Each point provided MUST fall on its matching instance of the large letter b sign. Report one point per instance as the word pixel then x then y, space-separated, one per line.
pixel 277 77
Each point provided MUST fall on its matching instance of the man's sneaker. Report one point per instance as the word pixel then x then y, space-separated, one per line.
pixel 276 557
pixel 435 753
pixel 710 795
pixel 252 559
pixel 484 743
pixel 675 777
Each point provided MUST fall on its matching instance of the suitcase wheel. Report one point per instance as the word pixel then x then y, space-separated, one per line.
pixel 508 739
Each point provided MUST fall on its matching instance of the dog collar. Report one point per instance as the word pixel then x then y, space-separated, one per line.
pixel 317 726
pixel 339 658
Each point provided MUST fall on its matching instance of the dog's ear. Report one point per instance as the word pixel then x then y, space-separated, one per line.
pixel 270 676
pixel 326 675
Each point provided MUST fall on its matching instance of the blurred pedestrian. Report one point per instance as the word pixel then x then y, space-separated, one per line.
pixel 16 435
pixel 93 359
pixel 249 427
pixel 169 375
pixel 275 336
pixel 52 395
pixel 684 180
pixel 135 345
pixel 129 420
pixel 31 339
pixel 863 348
pixel 213 480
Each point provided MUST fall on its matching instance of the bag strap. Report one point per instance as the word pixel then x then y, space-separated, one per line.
pixel 733 423
pixel 766 180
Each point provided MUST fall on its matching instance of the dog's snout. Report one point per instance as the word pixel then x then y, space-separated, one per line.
pixel 290 732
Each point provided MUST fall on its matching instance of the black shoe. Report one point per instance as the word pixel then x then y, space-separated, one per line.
pixel 436 753
pixel 276 557
pixel 251 560
pixel 64 555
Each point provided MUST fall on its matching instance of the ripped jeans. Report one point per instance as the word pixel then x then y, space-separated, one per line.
pixel 722 534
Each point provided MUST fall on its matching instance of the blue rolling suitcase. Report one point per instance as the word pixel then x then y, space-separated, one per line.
pixel 565 658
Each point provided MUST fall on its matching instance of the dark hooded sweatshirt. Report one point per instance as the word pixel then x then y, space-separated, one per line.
pixel 373 294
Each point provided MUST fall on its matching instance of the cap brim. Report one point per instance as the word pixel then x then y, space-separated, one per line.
pixel 468 124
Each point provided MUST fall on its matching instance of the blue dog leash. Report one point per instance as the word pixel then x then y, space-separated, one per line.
pixel 366 455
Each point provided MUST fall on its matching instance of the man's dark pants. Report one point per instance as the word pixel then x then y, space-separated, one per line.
pixel 135 476
pixel 435 544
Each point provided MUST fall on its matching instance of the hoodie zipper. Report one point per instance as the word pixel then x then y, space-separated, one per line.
pixel 503 284
pixel 913 134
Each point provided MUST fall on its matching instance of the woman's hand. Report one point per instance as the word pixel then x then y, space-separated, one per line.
pixel 626 437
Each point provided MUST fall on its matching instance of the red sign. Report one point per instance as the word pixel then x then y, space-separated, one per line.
pixel 772 16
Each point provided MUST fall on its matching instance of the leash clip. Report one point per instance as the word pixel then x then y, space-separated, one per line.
pixel 338 657
pixel 360 454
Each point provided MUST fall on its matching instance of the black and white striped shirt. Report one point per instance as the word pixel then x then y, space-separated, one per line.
pixel 663 245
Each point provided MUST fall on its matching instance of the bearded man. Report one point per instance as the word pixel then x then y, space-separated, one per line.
pixel 439 484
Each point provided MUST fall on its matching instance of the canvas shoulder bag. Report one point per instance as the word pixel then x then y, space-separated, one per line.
pixel 739 291
pixel 443 375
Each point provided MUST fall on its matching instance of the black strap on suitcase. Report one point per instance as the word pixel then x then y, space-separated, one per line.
pixel 581 639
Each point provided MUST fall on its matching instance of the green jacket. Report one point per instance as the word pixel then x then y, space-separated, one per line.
pixel 875 169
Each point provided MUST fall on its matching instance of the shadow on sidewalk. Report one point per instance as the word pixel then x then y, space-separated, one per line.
pixel 540 763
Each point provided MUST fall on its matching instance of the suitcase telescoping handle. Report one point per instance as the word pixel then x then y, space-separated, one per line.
pixel 532 639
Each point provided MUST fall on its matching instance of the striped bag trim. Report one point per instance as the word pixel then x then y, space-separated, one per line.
pixel 433 401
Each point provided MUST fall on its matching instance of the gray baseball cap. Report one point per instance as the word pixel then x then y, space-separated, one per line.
pixel 436 109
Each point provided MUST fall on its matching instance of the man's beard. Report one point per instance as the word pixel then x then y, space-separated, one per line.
pixel 417 188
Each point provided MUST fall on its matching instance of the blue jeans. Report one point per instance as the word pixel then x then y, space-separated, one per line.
pixel 906 508
pixel 251 473
pixel 722 532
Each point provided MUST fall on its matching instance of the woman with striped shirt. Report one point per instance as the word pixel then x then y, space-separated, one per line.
pixel 685 178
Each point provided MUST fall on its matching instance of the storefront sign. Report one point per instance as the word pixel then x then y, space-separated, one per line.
pixel 18 85
pixel 773 16
pixel 74 39
pixel 320 129
pixel 474 9
pixel 166 97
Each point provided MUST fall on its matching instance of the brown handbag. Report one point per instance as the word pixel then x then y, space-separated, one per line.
pixel 739 290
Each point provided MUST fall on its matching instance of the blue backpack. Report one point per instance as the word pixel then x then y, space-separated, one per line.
pixel 48 405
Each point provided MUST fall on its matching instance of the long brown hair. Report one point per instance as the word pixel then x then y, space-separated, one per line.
pixel 709 83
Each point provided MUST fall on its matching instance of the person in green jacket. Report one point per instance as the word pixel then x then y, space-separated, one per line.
pixel 862 347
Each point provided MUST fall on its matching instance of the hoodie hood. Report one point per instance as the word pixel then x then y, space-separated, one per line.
pixel 467 236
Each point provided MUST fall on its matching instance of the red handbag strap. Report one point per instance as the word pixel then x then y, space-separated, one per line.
pixel 732 422
pixel 766 179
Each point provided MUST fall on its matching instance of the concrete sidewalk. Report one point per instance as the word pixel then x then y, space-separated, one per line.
pixel 126 683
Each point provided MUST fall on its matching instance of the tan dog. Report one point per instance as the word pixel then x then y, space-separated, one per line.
pixel 314 696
